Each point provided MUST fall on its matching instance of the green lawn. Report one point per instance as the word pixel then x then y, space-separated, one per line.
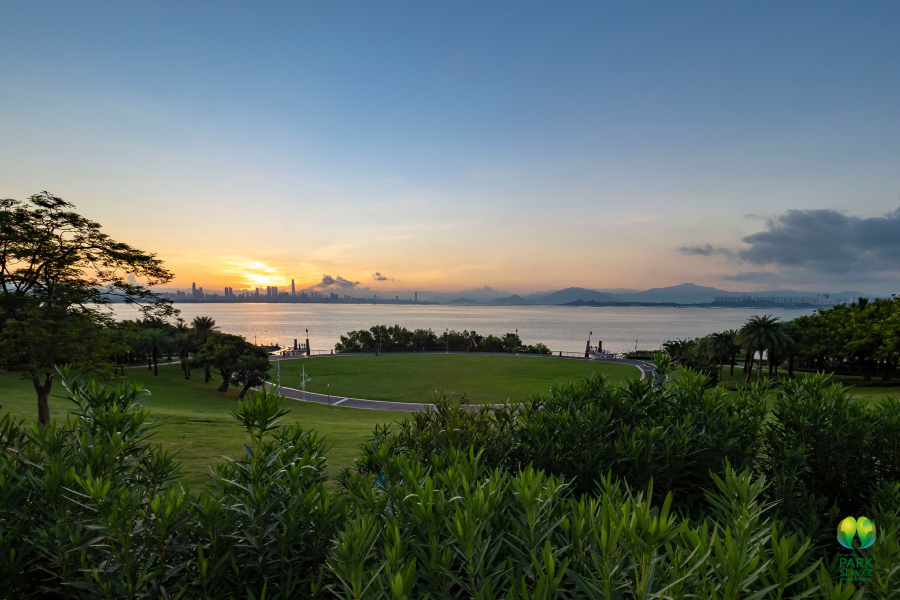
pixel 414 377
pixel 195 418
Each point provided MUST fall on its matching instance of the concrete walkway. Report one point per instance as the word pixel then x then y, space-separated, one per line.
pixel 343 402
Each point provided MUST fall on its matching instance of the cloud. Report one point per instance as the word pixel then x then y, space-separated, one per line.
pixel 827 241
pixel 706 250
pixel 822 244
pixel 336 282
pixel 379 277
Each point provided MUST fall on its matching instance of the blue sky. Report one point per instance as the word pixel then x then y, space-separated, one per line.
pixel 520 145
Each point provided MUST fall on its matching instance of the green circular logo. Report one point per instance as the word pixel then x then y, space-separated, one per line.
pixel 850 527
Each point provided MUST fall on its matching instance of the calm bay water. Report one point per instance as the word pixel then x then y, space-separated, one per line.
pixel 560 328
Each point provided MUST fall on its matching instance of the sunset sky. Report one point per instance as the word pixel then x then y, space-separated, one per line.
pixel 523 145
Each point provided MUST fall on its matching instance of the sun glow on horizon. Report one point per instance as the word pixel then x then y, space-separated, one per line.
pixel 257 274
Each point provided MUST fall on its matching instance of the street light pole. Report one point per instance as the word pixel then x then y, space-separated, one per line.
pixel 328 384
pixel 516 343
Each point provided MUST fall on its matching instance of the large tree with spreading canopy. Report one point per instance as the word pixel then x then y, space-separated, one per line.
pixel 58 275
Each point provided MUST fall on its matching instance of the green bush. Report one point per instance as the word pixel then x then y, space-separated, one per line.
pixel 90 509
pixel 446 507
pixel 826 451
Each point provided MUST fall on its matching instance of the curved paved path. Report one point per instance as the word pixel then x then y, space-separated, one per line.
pixel 344 402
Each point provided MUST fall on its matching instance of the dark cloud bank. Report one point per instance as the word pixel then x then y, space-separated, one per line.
pixel 823 243
pixel 337 282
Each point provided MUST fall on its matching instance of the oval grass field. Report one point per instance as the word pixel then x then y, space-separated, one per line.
pixel 414 377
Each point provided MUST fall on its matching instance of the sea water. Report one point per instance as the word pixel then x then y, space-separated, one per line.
pixel 561 328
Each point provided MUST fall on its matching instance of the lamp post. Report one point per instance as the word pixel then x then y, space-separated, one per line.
pixel 303 380
pixel 328 385
pixel 516 343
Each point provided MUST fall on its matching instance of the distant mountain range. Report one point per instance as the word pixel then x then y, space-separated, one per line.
pixel 686 293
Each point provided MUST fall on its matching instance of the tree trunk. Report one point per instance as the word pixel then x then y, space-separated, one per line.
pixel 243 392
pixel 155 364
pixel 43 394
pixel 771 364
pixel 790 366
pixel 748 365
pixel 759 374
pixel 208 375
pixel 226 379
pixel 732 365
pixel 886 375
pixel 149 362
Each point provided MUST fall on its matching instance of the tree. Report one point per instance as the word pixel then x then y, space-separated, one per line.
pixel 760 334
pixel 57 272
pixel 678 350
pixel 735 347
pixel 203 328
pixel 222 351
pixel 722 346
pixel 156 342
pixel 185 341
pixel 251 369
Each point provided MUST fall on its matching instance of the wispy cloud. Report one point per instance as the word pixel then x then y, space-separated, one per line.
pixel 707 250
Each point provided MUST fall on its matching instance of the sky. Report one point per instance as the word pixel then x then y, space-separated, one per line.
pixel 439 146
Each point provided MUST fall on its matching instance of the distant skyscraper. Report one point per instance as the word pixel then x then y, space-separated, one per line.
pixel 293 289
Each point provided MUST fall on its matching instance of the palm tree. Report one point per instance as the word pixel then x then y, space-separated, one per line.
pixel 184 341
pixel 678 350
pixel 735 347
pixel 722 347
pixel 156 341
pixel 760 334
pixel 203 328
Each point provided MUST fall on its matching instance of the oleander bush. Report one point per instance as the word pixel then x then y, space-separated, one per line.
pixel 822 450
pixel 659 490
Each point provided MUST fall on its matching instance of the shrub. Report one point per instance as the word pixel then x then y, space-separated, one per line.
pixel 464 529
pixel 90 509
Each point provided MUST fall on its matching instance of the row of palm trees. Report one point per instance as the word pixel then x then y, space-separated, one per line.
pixel 154 338
pixel 762 335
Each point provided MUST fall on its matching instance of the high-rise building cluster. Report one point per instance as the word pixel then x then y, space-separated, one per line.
pixel 272 293
pixel 817 300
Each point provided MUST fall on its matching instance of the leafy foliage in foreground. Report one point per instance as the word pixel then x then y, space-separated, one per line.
pixel 823 451
pixel 90 509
